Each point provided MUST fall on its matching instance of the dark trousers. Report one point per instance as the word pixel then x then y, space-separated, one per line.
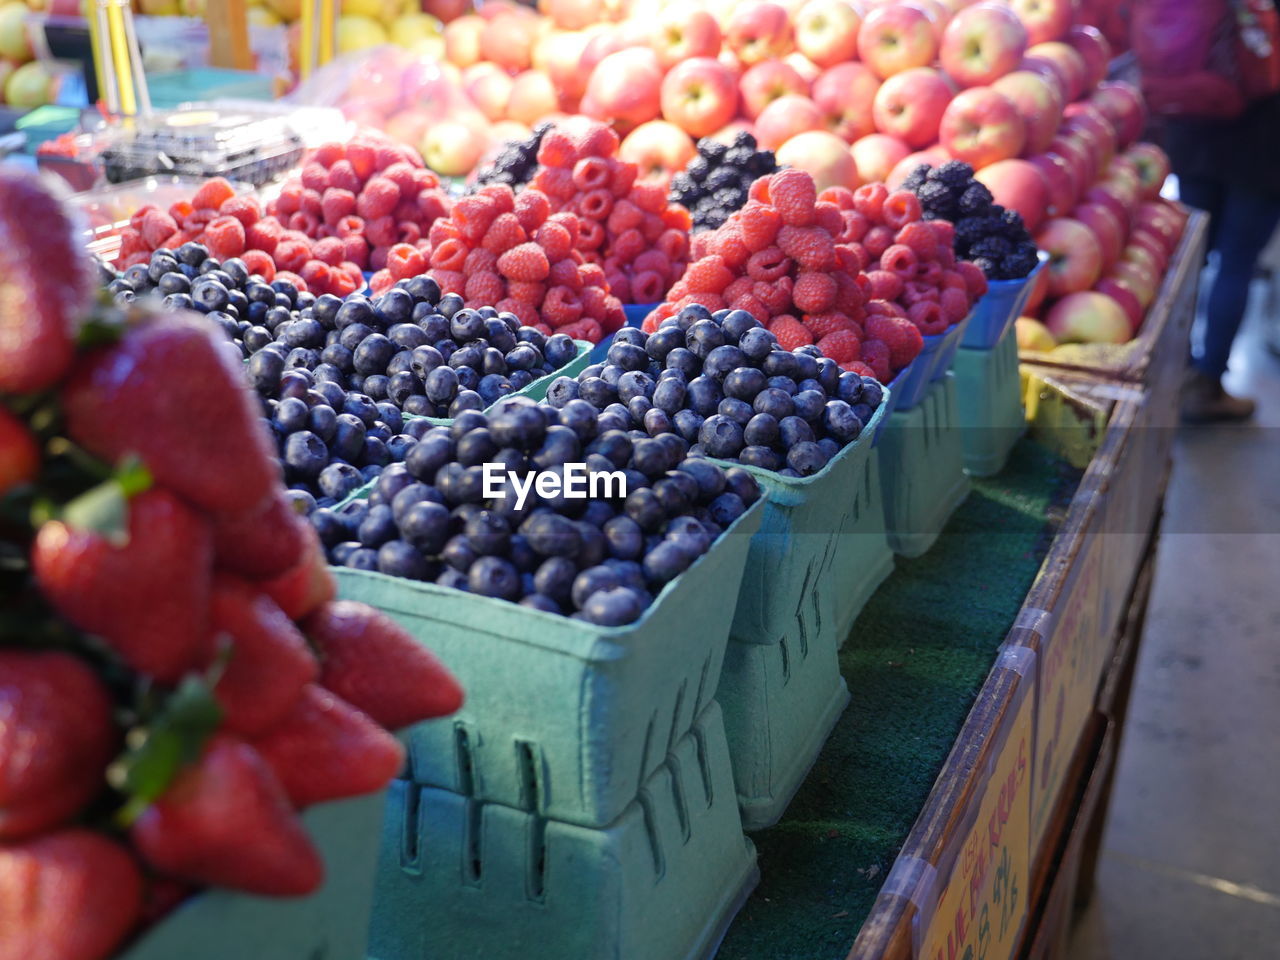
pixel 1242 222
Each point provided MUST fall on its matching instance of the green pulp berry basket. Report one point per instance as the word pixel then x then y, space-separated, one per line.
pixel 331 923
pixel 564 718
pixel 989 403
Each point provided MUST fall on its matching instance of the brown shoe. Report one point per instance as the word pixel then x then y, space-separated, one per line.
pixel 1205 401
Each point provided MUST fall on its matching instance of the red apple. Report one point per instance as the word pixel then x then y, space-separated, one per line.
pixel 489 87
pixel 533 96
pixel 1044 19
pixel 1038 101
pixel 845 95
pixel 1122 105
pixel 682 34
pixel 1158 219
pixel 1107 228
pixel 1075 148
pixel 699 96
pixel 827 31
pixel 659 149
pixel 729 131
pixel 765 82
pixel 1039 290
pixel 1124 296
pixel 572 14
pixel 982 43
pixel 802 65
pixel 443 10
pixel 1088 317
pixel 508 38
pixel 981 126
pixel 909 105
pixel 1087 119
pixel 1138 277
pixel 876 155
pixel 758 32
pixel 1075 257
pixel 896 38
pixel 462 40
pixel 1117 196
pixel 784 118
pixel 1070 65
pixel 1151 241
pixel 1093 49
pixel 625 88
pixel 1021 186
pixel 1060 179
pixel 1153 168
pixel 823 156
pixel 935 156
pixel 1033 335
pixel 938 12
pixel 559 53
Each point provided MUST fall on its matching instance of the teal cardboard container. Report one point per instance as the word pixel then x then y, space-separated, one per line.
pixel 989 402
pixel 819 555
pixel 922 477
pixel 996 310
pixel 463 878
pixel 564 718
pixel 332 923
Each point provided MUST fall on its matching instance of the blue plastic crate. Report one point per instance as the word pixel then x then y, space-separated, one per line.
pixel 996 310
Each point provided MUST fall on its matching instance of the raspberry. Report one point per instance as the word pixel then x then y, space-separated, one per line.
pixel 878 240
pixel 591 274
pixel 876 356
pixel 245 209
pixel 853 258
pixel 449 281
pixel 450 255
pixel 653 228
pixel 212 194
pixel 814 292
pixel 329 250
pixel 380 282
pixel 727 242
pixel 363 158
pixel 342 284
pixel 647 286
pixel 564 273
pixel 504 233
pixel 327 154
pixel 824 324
pixel 916 292
pixel 485 287
pixel 378 199
pixel 554 182
pixel 561 305
pixel 135 221
pixel 791 333
pixel 225 237
pixel 828 217
pixel 676 217
pixel 480 259
pixel 179 210
pixel 900 208
pixel 842 197
pixel 624 216
pixel 855 226
pixel 944 232
pixel 794 195
pixel 775 296
pixel 654 260
pixel 593 173
pixel 336 203
pixel 919 236
pixel 974 278
pixel 759 225
pixel 263 235
pixel 884 308
pixel 620 286
pixel 378 258
pixel 930 273
pixel 768 265
pixel 158 226
pixel 349 225
pixel 314 176
pixel 355 249
pixel 595 204
pixel 342 174
pixel 596 140
pixel 309 202
pixel 381 232
pixel 586 329
pixel 899 335
pixel 858 367
pixel 649 197
pixel 674 245
pixel 590 235
pixel 557 149
pixel 291 255
pixel 316 273
pixel 405 261
pixel 403 176
pixel 927 318
pixel 473 215
pixel 259 263
pixel 868 200
pixel 433 204
pixel 528 261
pixel 759 190
pixel 884 285
pixel 526 292
pixel 955 305
pixel 899 259
pixel 843 346
pixel 289 200
pixel 501 194
pixel 753 306
pixel 407 231
pixel 595 302
pixel 740 287
pixel 810 247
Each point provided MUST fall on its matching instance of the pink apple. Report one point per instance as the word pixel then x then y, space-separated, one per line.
pixel 730 61
pixel 939 14
pixel 1075 148
pixel 1093 49
pixel 1032 335
pixel 489 87
pixel 625 88
pixel 827 31
pixel 765 82
pixel 508 38
pixel 451 148
pixel 935 156
pixel 699 96
pixel 845 95
pixel 1123 295
pixel 1158 219
pixel 1075 257
pixel 1071 66
pixel 559 54
pixel 1060 180
pixel 1153 168
pixel 1152 241
pixel 1039 290
pixel 729 131
pixel 981 126
pixel 1146 259
pixel 1044 19
pixel 909 105
pixel 1139 278
pixel 1021 186
pixel 1116 195
pixel 1122 105
pixel 462 40
pixel 682 34
pixel 659 149
pixel 759 31
pixel 1107 228
pixel 982 43
pixel 823 156
pixel 1088 317
pixel 784 118
pixel 1122 168
pixel 1084 116
pixel 1038 101
pixel 876 155
pixel 572 14
pixel 603 42
pixel 896 38
pixel 802 65
pixel 533 96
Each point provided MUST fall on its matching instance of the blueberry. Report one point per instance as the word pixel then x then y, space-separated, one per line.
pixel 683 360
pixel 661 343
pixel 459 484
pixel 704 396
pixel 305 455
pixel 441 385
pixel 669 394
pixel 687 424
pixel 809 386
pixel 361 407
pixel 598 513
pixel 392 481
pixel 520 379
pixel 592 581
pixel 809 404
pixel 628 356
pixel 518 425
pixel 631 335
pixel 613 444
pixel 736 410
pixel 475 447
pixel 642 506
pixel 840 421
pixel 456 579
pixel 721 437
pixel 625 538
pixel 726 508
pixel 580 417
pixel 348 437
pixel 399 559
pixel 458 553
pixel 378 527
pixel 692 314
pixel 674 495
pixel 666 561
pixel 562 391
pixel 793 430
pixel 614 607
pixel 757 343
pixel 362 558
pixel 744 383
pixel 394 306
pixel 650 457
pixel 743 484
pixel 192 253
pixel 637 407
pixel 264 371
pixel 761 430
pixel 775 402
pixel 339 480
pixel 554 578
pixel 708 476
pixel 328 527
pixel 325 309
pixel 806 365
pixel 780 363
pixel 559 446
pixel 169 283
pixel 593 549
pixel 703 337
pixel 532 337
pixel 721 361
pixel 540 601
pixel 760 456
pixel 374 452
pixel 806 458
pixel 174 301
pixel 524 356
pixel 356 309
pixel 488 532
pixel 423 288
pixel 430 454
pixel 829 447
pixel 849 388
pixel 872 392
pixel 656 422
pixel 828 375
pixel 494 577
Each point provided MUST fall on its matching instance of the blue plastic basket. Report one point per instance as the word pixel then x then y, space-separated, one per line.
pixel 995 312
pixel 908 388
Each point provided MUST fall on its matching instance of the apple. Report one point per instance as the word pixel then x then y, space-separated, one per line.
pixel 451 148
pixel 558 54
pixel 845 95
pixel 1039 290
pixel 572 14
pixel 489 87
pixel 700 96
pixel 784 118
pixel 876 155
pixel 508 38
pixel 935 156
pixel 909 105
pixel 823 156
pixel 1031 334
pixel 14 44
pixel 533 96
pixel 1019 185
pixel 1088 119
pixel 1122 105
pixel 827 31
pixel 509 131
pixel 1075 257
pixel 683 34
pixel 1116 195
pixel 765 82
pixel 625 88
pixel 1153 168
pixel 758 32
pixel 1060 180
pixel 730 131
pixel 896 38
pixel 1158 219
pixel 6 70
pixel 1123 295
pixel 982 43
pixel 1045 19
pixel 1038 101
pixel 1088 317
pixel 660 149
pixel 1157 243
pixel 1070 65
pixel 939 15
pixel 1075 149
pixel 981 126
pixel 1093 49
pixel 446 11
pixel 802 65
pixel 1140 276
pixel 1107 228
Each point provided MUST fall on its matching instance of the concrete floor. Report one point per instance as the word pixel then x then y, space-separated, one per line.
pixel 1190 868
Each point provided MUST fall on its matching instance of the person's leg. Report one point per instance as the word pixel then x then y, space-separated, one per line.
pixel 1207 195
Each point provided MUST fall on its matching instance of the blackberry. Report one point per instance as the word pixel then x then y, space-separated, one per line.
pixel 730 198
pixel 738 156
pixel 917 179
pixel 956 174
pixel 987 266
pixel 937 201
pixel 745 139
pixel 698 169
pixel 976 198
pixel 1018 264
pixel 764 162
pixel 1014 228
pixel 683 189
pixel 711 150
pixel 970 230
pixel 991 247
pixel 515 164
pixel 720 178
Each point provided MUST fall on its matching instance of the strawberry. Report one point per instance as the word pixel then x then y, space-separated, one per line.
pixel 304 588
pixel 149 597
pixel 326 749
pixel 226 821
pixel 168 393
pixel 270 662
pixel 56 739
pixel 70 895
pixel 375 665
pixel 44 284
pixel 262 542
pixel 19 453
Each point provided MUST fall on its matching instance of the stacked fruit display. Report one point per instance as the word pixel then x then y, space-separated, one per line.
pixel 176 678
pixel 25 82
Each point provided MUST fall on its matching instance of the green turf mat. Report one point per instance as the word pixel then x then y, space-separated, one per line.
pixel 914 662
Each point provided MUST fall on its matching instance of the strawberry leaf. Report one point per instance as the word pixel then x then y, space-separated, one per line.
pixel 103 510
pixel 133 476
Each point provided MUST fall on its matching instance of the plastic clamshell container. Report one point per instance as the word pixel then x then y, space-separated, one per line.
pixel 996 310
pixel 820 553
pixel 106 209
pixel 989 404
pixel 459 877
pixel 922 477
pixel 171 89
pixel 564 718
pixel 636 312
pixel 331 923
pixel 930 365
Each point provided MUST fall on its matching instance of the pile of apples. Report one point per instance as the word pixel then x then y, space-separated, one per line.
pixel 25 82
